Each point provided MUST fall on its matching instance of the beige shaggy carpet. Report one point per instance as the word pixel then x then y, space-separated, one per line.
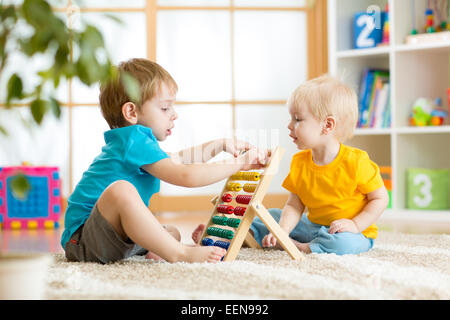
pixel 400 266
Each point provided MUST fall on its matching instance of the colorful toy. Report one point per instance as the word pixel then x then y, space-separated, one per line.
pixel 428 189
pixel 247 190
pixel 428 113
pixel 436 26
pixel 438 114
pixel 386 173
pixel 441 9
pixel 41 208
pixel 429 16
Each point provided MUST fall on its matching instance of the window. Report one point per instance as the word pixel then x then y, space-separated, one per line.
pixel 235 62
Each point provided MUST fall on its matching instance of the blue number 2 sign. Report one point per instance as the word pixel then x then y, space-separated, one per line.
pixel 367 30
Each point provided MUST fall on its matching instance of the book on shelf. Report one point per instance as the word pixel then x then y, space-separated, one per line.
pixel 374 99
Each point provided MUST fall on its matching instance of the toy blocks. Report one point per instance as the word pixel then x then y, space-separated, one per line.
pixel 41 207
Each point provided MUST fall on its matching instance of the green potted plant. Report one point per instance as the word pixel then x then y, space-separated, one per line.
pixel 48 35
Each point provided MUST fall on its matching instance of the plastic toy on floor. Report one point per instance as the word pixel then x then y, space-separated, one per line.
pixel 41 206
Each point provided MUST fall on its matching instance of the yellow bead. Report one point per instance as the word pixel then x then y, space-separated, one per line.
pixel 252 176
pixel 250 187
pixel 237 176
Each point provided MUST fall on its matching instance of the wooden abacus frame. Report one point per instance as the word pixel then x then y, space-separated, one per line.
pixel 255 208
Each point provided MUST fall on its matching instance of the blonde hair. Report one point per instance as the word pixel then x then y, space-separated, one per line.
pixel 113 96
pixel 327 96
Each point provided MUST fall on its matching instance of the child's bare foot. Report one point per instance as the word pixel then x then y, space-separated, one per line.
pixel 204 254
pixel 153 256
pixel 303 247
pixel 197 233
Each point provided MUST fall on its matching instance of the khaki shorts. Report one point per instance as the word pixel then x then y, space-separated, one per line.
pixel 97 241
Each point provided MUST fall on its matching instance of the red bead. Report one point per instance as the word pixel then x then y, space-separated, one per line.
pixel 227 197
pixel 243 199
pixel 239 211
pixel 223 208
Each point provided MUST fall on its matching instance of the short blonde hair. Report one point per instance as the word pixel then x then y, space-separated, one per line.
pixel 113 96
pixel 327 96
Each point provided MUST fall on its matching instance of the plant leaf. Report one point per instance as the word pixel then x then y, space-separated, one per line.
pixel 3 131
pixel 15 88
pixel 55 106
pixel 20 186
pixel 38 109
pixel 92 37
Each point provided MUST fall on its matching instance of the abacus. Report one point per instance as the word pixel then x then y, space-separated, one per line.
pixel 237 205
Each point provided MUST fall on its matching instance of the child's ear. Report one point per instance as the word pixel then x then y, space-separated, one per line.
pixel 129 112
pixel 329 125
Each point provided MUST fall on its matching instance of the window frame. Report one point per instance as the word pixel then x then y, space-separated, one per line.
pixel 317 61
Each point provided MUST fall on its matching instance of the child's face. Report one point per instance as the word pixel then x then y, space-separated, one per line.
pixel 305 130
pixel 159 113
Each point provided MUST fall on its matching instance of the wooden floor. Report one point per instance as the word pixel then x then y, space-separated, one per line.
pixel 49 240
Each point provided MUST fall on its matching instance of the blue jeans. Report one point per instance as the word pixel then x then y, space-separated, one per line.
pixel 320 241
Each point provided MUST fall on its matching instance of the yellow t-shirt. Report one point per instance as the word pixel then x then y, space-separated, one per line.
pixel 337 190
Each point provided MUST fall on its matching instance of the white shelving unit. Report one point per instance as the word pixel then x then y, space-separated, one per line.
pixel 415 71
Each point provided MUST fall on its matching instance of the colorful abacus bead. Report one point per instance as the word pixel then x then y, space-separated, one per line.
pixel 225 209
pixel 227 197
pixel 243 199
pixel 223 221
pixel 250 176
pixel 222 233
pixel 223 244
pixel 250 187
pixel 233 186
pixel 206 242
pixel 234 223
pixel 237 176
pixel 239 211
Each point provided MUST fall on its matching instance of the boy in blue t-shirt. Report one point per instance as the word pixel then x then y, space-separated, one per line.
pixel 107 218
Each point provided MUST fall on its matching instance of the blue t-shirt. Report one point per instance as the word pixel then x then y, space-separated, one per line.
pixel 126 150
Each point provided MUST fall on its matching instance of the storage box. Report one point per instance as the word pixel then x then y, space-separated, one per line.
pixel 427 189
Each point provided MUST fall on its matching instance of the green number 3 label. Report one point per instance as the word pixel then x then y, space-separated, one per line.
pixel 426 197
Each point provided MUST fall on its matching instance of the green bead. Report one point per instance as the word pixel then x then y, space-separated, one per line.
pixel 228 234
pixel 234 223
pixel 222 233
pixel 223 221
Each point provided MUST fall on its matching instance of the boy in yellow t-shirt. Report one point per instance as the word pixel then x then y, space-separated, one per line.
pixel 339 185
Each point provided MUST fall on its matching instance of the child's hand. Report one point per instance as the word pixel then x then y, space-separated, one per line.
pixel 343 225
pixel 235 147
pixel 253 159
pixel 269 241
